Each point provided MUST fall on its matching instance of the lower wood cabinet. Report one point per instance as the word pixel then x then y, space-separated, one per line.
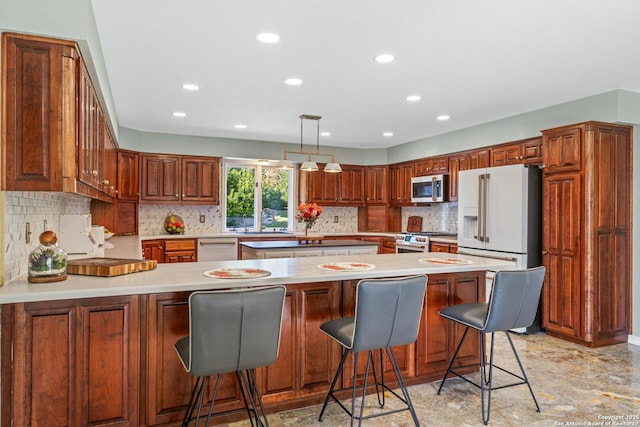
pixel 170 250
pixel 111 362
pixel 71 363
pixel 451 248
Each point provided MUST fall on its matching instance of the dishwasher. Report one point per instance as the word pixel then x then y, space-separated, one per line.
pixel 217 249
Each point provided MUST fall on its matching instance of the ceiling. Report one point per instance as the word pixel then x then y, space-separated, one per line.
pixel 476 61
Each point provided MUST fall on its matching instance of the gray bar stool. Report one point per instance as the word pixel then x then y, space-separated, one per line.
pixel 513 304
pixel 387 314
pixel 231 331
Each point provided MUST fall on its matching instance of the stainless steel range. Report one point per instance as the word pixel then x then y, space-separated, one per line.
pixel 416 242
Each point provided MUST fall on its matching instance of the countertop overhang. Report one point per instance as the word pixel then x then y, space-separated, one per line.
pixel 190 276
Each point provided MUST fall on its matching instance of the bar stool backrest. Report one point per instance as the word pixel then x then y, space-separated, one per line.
pixel 388 312
pixel 514 299
pixel 234 330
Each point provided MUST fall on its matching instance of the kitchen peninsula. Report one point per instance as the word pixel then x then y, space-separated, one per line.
pixel 101 349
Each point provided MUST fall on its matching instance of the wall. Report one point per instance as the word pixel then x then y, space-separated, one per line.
pixel 34 208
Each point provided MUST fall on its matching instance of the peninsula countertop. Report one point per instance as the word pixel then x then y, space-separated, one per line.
pixel 190 276
pixel 297 244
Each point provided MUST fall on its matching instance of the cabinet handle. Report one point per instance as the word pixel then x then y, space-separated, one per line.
pixel 177 195
pixel 545 252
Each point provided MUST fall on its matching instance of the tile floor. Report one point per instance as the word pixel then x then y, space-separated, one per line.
pixel 574 385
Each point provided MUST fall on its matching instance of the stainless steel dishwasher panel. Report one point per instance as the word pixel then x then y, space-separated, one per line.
pixel 217 249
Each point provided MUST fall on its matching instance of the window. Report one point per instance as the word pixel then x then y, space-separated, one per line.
pixel 258 197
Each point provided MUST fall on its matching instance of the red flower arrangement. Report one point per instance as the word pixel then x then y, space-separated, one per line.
pixel 308 213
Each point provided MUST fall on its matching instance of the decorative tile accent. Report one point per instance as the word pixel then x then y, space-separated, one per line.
pixel 35 208
pixel 435 217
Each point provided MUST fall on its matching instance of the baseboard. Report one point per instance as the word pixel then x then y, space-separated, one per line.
pixel 635 340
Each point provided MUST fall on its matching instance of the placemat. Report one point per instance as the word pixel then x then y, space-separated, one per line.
pixel 346 266
pixel 237 273
pixel 445 261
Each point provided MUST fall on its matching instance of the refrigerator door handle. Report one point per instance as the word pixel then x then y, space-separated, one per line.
pixel 480 184
pixel 484 207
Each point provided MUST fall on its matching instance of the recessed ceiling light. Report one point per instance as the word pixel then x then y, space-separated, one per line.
pixel 385 58
pixel 413 98
pixel 293 81
pixel 387 134
pixel 179 114
pixel 325 133
pixel 268 38
pixel 240 126
pixel 190 86
pixel 443 117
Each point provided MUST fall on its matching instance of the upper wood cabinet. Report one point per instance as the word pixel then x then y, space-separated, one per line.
pixel 180 179
pixel 457 162
pixel 400 175
pixel 528 151
pixel 431 166
pixel 478 159
pixel 345 188
pixel 586 239
pixel 376 190
pixel 128 175
pixel 56 137
pixel 201 180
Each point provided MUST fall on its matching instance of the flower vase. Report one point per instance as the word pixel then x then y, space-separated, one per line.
pixel 307 228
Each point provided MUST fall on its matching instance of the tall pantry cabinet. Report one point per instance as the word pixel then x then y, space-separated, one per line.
pixel 587 232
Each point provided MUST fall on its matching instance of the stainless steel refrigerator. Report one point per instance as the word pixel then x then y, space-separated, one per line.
pixel 500 216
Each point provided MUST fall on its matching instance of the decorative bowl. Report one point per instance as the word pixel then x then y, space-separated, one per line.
pixel 108 235
pixel 173 224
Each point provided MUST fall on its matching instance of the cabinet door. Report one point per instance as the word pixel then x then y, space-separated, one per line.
pixel 76 362
pixel 431 166
pixel 532 151
pixel 478 159
pixel 153 249
pixel 506 155
pixel 376 184
pixel 400 183
pixel 351 185
pixel 160 178
pixel 201 180
pixel 457 163
pixel 128 175
pixel 438 247
pixel 168 385
pixel 126 214
pixel 561 294
pixel 561 150
pixel 322 187
pixel 304 349
pixel 40 129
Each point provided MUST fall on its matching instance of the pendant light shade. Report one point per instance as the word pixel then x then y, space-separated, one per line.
pixel 309 165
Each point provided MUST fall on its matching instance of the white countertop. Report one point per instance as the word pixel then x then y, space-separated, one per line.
pixel 190 276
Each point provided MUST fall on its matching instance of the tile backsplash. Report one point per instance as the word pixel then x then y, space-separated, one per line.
pixel 435 217
pixel 22 207
pixel 151 219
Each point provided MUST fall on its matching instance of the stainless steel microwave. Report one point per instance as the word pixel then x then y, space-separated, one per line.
pixel 429 189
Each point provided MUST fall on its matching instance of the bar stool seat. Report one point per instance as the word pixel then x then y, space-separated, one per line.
pixel 231 331
pixel 387 314
pixel 513 304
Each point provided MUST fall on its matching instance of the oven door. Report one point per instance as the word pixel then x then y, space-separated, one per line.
pixel 402 248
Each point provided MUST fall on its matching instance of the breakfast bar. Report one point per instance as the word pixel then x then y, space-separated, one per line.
pixel 106 344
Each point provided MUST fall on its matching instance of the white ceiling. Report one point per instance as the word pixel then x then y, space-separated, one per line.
pixel 476 61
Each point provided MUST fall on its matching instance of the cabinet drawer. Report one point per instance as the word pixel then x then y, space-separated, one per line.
pixel 179 245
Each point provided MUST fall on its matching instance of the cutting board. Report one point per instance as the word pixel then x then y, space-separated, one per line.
pixel 414 224
pixel 109 267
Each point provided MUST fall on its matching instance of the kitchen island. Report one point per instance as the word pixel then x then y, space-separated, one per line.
pixel 304 249
pixel 94 350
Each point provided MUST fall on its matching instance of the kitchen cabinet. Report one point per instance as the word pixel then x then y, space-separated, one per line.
pixel 180 250
pixel 153 249
pixel 586 237
pixel 388 245
pixel 478 159
pixel 400 175
pixel 431 166
pixel 528 151
pixel 119 216
pixel 43 135
pixel 75 362
pixel 437 337
pixel 345 188
pixel 376 184
pixel 128 175
pixel 451 248
pixel 176 179
pixel 457 162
